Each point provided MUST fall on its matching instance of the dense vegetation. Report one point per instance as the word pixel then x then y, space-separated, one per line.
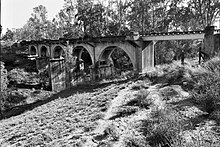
pixel 3 87
pixel 79 18
pixel 122 17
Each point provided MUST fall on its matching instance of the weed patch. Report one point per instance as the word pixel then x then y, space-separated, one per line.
pixel 141 100
pixel 140 85
pixel 124 111
pixel 163 129
pixel 206 90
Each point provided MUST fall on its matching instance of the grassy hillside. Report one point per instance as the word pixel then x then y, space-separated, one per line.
pixel 172 106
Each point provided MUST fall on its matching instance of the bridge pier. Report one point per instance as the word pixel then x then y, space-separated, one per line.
pixel 217 43
pixel 148 56
pixel 209 46
pixel 58 74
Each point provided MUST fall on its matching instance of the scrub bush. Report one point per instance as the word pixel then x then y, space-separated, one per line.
pixel 206 91
pixel 3 86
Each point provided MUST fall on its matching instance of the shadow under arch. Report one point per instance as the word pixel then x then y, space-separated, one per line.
pixel 81 53
pixel 58 52
pixel 118 57
pixel 80 64
pixel 44 51
pixel 33 50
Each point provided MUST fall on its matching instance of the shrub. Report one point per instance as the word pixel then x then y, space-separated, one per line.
pixel 168 74
pixel 213 65
pixel 124 111
pixel 163 129
pixel 141 100
pixel 4 79
pixel 136 86
pixel 19 75
pixel 132 137
pixel 206 91
pixel 14 98
pixel 166 128
pixel 112 132
pixel 3 86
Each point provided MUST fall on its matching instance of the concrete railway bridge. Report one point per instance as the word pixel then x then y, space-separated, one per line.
pixel 51 55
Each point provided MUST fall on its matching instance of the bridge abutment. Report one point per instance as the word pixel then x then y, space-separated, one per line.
pixel 217 44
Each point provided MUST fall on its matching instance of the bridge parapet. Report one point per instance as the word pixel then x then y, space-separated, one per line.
pixel 174 33
pixel 189 35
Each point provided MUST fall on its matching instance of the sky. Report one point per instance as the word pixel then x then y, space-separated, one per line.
pixel 15 13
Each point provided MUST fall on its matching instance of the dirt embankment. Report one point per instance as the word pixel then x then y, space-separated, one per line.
pixel 159 112
pixel 66 118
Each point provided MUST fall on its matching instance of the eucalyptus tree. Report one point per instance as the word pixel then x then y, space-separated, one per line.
pixel 38 22
pixel 204 11
pixel 8 36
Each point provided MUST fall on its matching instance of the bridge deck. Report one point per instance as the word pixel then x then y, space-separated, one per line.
pixel 174 36
pixel 148 37
pixel 177 35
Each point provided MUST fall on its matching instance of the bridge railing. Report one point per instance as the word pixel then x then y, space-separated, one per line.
pixel 174 33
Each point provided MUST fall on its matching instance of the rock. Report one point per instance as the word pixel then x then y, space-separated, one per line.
pixel 156 100
pixel 173 93
pixel 100 137
pixel 168 92
pixel 192 112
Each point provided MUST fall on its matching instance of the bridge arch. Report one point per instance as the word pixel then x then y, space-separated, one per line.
pixel 79 49
pixel 58 52
pixel 44 51
pixel 33 50
pixel 104 51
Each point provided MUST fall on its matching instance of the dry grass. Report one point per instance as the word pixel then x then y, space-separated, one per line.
pixel 165 130
pixel 141 100
pixel 158 114
pixel 66 121
pixel 207 87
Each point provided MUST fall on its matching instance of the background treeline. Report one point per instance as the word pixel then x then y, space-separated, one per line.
pixel 80 18
pixel 117 17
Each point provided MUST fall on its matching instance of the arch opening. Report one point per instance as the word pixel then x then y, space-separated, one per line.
pixel 33 50
pixel 43 52
pixel 59 52
pixel 117 57
pixel 167 51
pixel 83 58
pixel 86 58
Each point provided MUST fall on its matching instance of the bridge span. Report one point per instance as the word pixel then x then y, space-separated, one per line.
pixel 190 35
pixel 59 57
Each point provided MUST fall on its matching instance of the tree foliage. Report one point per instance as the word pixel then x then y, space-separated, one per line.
pixel 81 18
pixel 8 35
